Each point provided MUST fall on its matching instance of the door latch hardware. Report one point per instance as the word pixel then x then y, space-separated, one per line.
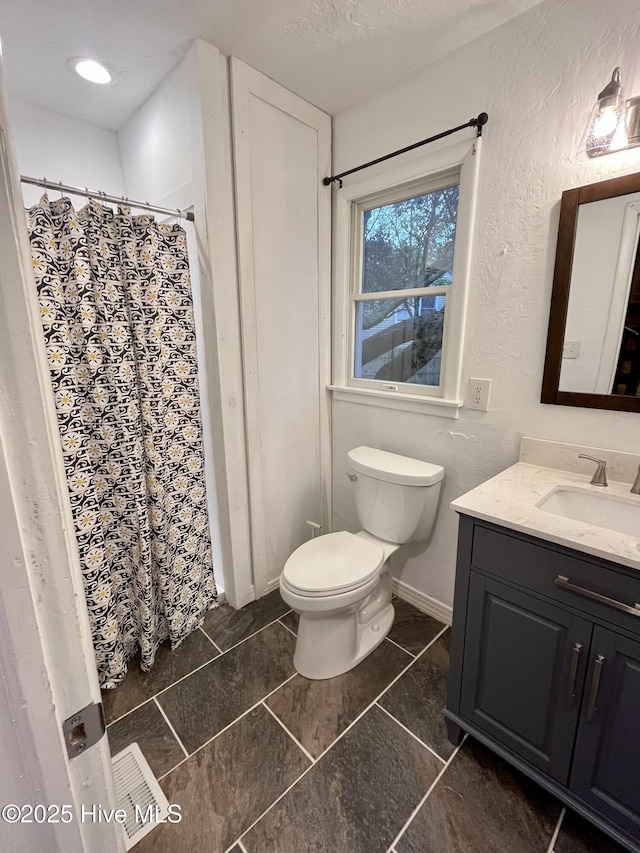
pixel 83 729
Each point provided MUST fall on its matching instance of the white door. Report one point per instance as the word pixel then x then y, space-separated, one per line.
pixel 47 665
pixel 282 150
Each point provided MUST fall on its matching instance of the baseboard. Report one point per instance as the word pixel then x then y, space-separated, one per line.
pixel 407 593
pixel 424 602
pixel 271 585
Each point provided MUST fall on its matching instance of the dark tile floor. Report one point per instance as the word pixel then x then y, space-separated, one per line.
pixel 262 760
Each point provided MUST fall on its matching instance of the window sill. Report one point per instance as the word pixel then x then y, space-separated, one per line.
pixel 394 400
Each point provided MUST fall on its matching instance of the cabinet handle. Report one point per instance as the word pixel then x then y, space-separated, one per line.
pixel 573 672
pixel 595 685
pixel 565 583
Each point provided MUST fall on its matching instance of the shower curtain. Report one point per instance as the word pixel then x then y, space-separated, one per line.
pixel 117 315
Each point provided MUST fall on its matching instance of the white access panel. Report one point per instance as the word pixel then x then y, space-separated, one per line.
pixel 282 152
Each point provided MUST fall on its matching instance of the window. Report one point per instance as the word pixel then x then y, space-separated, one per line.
pixel 402 268
pixel 402 284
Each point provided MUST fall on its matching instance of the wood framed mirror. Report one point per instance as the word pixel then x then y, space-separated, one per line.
pixel 593 343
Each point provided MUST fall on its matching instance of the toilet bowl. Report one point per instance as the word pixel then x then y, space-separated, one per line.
pixel 340 583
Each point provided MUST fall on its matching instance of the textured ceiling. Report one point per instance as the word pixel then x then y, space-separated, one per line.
pixel 334 53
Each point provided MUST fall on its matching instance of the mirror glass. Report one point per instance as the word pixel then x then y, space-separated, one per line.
pixel 593 348
pixel 599 353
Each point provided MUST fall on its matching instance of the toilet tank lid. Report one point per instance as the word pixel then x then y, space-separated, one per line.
pixel 394 468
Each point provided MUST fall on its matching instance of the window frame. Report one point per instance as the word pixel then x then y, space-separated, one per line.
pixel 445 167
pixel 359 208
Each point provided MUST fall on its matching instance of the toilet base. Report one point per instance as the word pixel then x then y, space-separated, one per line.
pixel 343 648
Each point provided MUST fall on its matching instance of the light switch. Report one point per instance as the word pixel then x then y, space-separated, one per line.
pixel 571 349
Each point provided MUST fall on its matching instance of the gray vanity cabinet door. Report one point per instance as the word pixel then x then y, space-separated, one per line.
pixel 606 766
pixel 523 673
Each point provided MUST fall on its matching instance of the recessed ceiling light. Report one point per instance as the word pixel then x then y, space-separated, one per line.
pixel 90 69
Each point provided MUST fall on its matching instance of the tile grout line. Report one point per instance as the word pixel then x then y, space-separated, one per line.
pixel 173 731
pixel 424 799
pixel 413 735
pixel 244 639
pixel 398 646
pixel 182 678
pixel 291 735
pixel 234 844
pixel 284 626
pixel 158 692
pixel 214 644
pixel 233 722
pixel 556 832
pixel 381 694
pixel 350 726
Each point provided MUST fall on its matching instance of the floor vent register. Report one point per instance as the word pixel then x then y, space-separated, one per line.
pixel 138 793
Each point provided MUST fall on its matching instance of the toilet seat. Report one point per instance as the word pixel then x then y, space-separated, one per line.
pixel 331 564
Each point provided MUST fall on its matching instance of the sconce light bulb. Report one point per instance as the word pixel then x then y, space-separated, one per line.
pixel 605 123
pixel 606 129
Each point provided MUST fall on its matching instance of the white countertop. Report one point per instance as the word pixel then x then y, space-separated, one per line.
pixel 509 499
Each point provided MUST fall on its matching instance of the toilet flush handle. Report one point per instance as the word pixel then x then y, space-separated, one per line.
pixel 315 528
pixel 352 477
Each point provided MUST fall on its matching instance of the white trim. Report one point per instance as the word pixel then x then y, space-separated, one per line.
pixel 247 83
pixel 272 584
pixel 425 603
pixel 464 156
pixel 399 401
pixel 47 659
pixel 216 229
pixel 375 295
pixel 422 186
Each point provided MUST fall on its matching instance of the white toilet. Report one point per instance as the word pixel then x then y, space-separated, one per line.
pixel 340 583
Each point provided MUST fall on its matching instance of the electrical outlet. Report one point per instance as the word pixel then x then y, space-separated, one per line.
pixel 478 394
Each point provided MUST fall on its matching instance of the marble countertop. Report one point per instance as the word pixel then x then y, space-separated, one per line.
pixel 509 499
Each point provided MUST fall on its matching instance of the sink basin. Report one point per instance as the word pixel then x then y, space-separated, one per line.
pixel 602 510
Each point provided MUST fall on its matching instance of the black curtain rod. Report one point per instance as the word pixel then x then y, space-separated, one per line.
pixel 478 122
pixel 111 199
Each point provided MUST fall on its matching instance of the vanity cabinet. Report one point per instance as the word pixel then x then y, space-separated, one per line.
pixel 545 669
pixel 606 764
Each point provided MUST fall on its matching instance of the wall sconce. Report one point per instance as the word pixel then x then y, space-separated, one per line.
pixel 614 122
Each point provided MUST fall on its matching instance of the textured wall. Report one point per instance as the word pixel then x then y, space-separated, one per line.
pixel 537 77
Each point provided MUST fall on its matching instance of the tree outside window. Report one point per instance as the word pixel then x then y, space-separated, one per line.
pixel 407 250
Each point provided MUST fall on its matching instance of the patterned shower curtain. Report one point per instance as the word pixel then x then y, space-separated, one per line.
pixel 117 314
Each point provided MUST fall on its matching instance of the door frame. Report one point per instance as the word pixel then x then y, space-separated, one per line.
pixel 47 661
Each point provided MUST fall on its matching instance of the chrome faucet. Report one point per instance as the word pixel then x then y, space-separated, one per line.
pixel 635 489
pixel 600 476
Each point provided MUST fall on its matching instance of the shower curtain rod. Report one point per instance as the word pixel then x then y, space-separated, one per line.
pixel 112 199
pixel 478 123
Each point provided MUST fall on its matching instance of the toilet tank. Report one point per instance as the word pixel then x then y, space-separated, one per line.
pixel 396 497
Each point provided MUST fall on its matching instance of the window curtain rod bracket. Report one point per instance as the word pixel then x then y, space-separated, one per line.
pixel 103 197
pixel 478 122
